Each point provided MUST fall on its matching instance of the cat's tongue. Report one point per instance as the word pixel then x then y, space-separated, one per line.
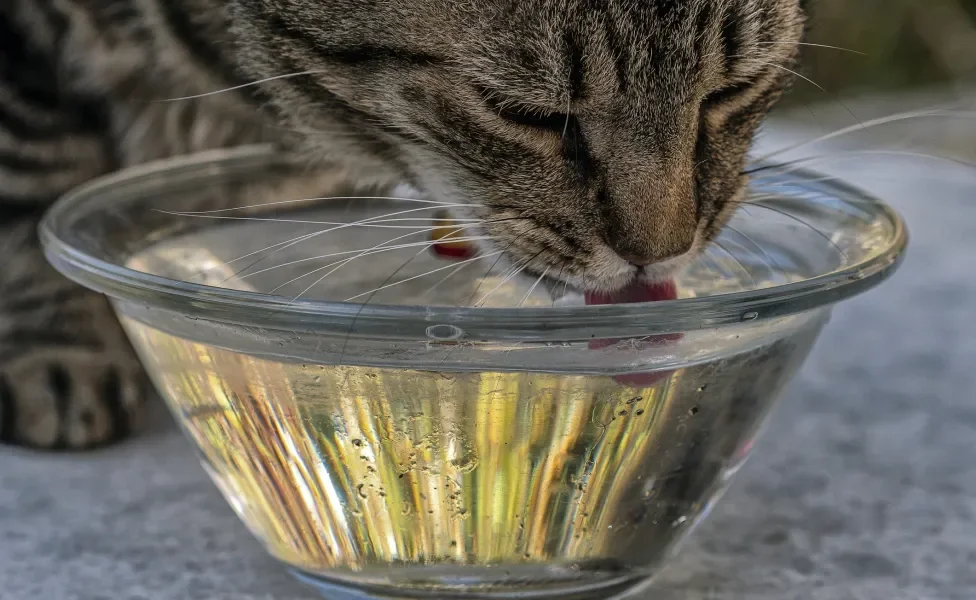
pixel 639 291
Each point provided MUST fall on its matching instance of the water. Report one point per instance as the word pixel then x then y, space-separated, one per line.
pixel 428 482
pixel 509 479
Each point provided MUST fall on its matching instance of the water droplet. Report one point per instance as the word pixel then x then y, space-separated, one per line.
pixel 361 492
pixel 750 316
pixel 639 412
pixel 702 388
pixel 693 410
pixel 679 521
pixel 357 442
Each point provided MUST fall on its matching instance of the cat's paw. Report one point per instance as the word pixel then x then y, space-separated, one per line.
pixel 71 398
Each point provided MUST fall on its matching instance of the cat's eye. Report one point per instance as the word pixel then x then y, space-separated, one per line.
pixel 524 115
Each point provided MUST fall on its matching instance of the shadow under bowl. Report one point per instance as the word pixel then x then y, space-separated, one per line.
pixel 413 446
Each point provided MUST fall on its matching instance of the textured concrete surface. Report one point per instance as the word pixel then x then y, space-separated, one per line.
pixel 862 488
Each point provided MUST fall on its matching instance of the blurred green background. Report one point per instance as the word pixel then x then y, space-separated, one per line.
pixel 907 44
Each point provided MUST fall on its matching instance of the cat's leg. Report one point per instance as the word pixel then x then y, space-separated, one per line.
pixel 68 377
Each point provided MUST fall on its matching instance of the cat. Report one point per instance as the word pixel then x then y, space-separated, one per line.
pixel 603 140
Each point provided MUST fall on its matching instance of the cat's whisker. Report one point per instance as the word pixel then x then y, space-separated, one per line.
pixel 431 272
pixel 515 271
pixel 786 69
pixel 769 180
pixel 378 224
pixel 922 114
pixel 559 276
pixel 811 45
pixel 528 294
pixel 339 264
pixel 444 279
pixel 325 231
pixel 500 254
pixel 797 164
pixel 810 81
pixel 365 252
pixel 243 85
pixel 762 251
pixel 737 260
pixel 804 223
pixel 321 198
pixel 348 260
pixel 298 239
pixel 352 325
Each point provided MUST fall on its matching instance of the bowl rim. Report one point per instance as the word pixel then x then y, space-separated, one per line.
pixel 263 310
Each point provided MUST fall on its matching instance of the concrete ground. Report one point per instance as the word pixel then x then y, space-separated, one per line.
pixel 862 488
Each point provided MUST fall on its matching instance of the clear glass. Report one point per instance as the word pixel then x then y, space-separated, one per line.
pixel 474 436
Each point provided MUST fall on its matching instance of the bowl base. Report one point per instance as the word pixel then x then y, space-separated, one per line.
pixel 487 587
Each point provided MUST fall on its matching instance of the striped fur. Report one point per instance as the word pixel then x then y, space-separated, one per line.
pixel 609 135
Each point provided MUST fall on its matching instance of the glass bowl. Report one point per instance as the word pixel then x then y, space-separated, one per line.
pixel 398 425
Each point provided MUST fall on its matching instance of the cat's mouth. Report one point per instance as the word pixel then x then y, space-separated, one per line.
pixel 448 246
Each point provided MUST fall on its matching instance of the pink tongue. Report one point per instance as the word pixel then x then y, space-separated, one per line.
pixel 636 292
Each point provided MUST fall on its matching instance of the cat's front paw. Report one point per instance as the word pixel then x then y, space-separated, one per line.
pixel 71 398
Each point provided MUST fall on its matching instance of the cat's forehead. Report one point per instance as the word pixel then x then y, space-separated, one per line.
pixel 550 51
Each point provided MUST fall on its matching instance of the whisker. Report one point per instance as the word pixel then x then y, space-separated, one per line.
pixel 297 200
pixel 802 222
pixel 518 268
pixel 445 278
pixel 811 82
pixel 298 239
pixel 488 272
pixel 794 165
pixel 383 287
pixel 738 261
pixel 769 259
pixel 352 324
pixel 346 261
pixel 528 294
pixel 935 113
pixel 366 252
pixel 559 276
pixel 378 223
pixel 243 85
pixel 311 235
pixel 828 46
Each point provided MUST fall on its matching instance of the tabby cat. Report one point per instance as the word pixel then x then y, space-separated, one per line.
pixel 615 130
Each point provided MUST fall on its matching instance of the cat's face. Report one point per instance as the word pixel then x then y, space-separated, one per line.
pixel 601 140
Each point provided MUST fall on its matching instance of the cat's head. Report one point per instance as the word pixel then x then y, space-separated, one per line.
pixel 601 140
